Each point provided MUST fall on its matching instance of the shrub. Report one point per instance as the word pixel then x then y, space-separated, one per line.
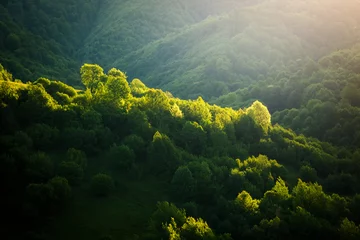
pixel 102 184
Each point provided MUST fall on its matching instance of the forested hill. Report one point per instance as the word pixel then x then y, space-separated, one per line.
pixel 124 161
pixel 235 49
pixel 42 37
pixel 245 123
pixel 300 58
pixel 191 48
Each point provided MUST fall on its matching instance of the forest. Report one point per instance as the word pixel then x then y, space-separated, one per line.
pixel 180 120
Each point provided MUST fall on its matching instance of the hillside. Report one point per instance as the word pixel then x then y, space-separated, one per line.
pixel 124 161
pixel 40 38
pixel 230 52
pixel 233 49
pixel 232 119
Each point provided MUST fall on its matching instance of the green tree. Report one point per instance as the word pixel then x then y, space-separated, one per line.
pixel 165 213
pixel 71 171
pixel 348 230
pixel 138 145
pixel 308 174
pixel 117 87
pixel 39 197
pixel 193 137
pixel 121 156
pixel 260 114
pixel 43 136
pixel 303 224
pixel 13 41
pixel 62 190
pixel 246 203
pixel 76 156
pixel 39 167
pixel 102 184
pixel 311 197
pixel 91 75
pixel 162 154
pixel 196 229
pixel 275 200
pixel 197 111
pixel 183 184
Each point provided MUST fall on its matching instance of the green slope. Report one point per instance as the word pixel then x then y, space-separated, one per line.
pixel 234 172
pixel 125 26
pixel 40 38
pixel 228 50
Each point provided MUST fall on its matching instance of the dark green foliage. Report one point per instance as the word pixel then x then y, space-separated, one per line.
pixel 39 198
pixel 137 144
pixel 62 190
pixel 122 157
pixel 162 154
pixel 308 174
pixel 43 136
pixel 76 156
pixel 183 184
pixel 348 230
pixel 193 137
pixel 164 214
pixel 102 184
pixel 39 167
pixel 71 171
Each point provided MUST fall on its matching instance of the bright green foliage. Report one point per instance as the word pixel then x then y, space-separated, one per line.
pixel 165 214
pixel 260 114
pixel 172 230
pixel 4 74
pixel 197 111
pixel 191 229
pixel 196 229
pixel 116 86
pixel 256 174
pixel 91 75
pixel 311 197
pixel 116 73
pixel 56 87
pixel 102 184
pixel 275 199
pixel 38 99
pixel 246 203
pixel 176 111
pixel 137 87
